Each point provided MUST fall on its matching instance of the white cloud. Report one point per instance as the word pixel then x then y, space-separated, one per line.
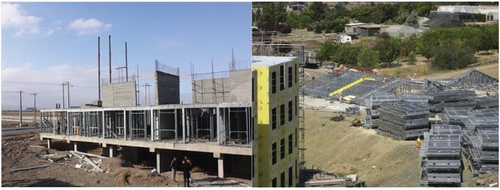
pixel 13 16
pixel 89 26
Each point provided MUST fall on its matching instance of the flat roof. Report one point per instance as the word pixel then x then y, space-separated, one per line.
pixel 355 24
pixel 370 26
pixel 270 60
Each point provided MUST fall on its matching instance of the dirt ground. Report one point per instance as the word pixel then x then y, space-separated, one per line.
pixel 25 150
pixel 378 160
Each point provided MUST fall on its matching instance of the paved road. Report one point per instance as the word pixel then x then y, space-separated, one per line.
pixel 15 131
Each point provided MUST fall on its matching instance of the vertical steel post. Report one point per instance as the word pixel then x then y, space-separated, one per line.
pixel 99 66
pixel 110 81
pixel 126 63
pixel 63 100
pixel 34 105
pixel 20 108
pixel 69 105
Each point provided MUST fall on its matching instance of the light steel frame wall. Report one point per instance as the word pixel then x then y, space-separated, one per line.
pixel 224 124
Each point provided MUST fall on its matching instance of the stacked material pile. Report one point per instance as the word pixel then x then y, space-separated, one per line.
pixel 418 98
pixel 481 140
pixel 455 115
pixel 403 120
pixel 351 111
pixel 373 103
pixel 323 86
pixel 452 98
pixel 487 102
pixel 441 156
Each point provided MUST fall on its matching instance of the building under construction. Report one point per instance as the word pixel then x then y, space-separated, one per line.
pixel 217 136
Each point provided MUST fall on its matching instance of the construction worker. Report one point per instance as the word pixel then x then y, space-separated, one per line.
pixel 173 164
pixel 186 166
pixel 340 97
pixel 419 142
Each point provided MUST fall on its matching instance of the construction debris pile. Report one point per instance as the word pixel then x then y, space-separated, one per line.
pixel 441 156
pixel 403 120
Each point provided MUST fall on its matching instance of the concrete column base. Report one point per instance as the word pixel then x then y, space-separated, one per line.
pixel 109 151
pixel 49 141
pixel 112 151
pixel 161 161
pixel 220 163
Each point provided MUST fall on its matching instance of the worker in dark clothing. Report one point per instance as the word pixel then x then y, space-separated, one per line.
pixel 186 166
pixel 173 165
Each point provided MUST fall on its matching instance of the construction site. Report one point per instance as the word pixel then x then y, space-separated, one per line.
pixel 378 128
pixel 437 132
pixel 134 145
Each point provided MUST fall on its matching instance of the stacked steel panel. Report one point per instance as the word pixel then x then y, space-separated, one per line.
pixel 417 98
pixel 452 98
pixel 372 114
pixel 323 86
pixel 455 115
pixel 403 120
pixel 487 102
pixel 481 140
pixel 441 156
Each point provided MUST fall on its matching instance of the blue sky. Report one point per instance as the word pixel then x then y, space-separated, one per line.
pixel 44 44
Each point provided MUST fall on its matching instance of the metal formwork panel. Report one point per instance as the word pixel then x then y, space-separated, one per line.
pixel 443 178
pixel 442 165
pixel 451 95
pixel 407 109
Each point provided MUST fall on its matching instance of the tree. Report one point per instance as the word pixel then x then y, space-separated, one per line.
pixel 412 20
pixel 326 49
pixel 429 41
pixel 388 48
pixel 272 16
pixel 453 56
pixel 368 59
pixel 319 9
pixel 412 60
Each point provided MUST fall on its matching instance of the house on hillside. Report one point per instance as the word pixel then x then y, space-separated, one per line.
pixel 371 29
pixel 351 29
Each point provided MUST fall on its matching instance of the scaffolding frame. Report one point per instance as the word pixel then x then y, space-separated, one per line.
pixel 222 124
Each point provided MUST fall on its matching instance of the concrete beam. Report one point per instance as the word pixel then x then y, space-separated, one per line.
pixel 194 146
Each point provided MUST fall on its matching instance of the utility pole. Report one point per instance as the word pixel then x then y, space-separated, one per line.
pixel 34 103
pixel 20 108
